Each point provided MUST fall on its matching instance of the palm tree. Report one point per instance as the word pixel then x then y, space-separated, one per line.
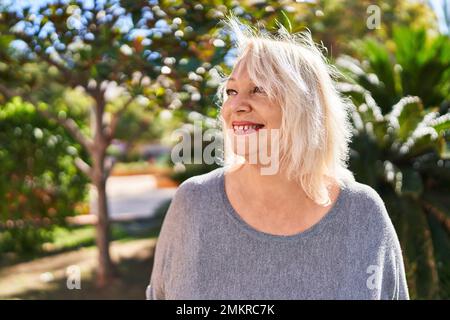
pixel 409 151
pixel 412 63
pixel 401 96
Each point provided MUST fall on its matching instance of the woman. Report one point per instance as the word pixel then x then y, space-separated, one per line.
pixel 304 228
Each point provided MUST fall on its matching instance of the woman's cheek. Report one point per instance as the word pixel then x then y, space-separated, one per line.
pixel 225 111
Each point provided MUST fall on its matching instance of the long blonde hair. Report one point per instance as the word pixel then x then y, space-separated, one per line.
pixel 315 130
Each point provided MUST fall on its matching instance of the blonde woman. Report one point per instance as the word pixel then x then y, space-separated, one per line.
pixel 304 229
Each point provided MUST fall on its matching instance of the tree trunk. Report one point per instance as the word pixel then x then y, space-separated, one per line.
pixel 106 271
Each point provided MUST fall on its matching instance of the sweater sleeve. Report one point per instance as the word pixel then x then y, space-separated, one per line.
pixel 387 278
pixel 393 277
pixel 393 284
pixel 170 234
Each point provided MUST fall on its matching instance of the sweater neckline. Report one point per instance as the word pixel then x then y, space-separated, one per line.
pixel 247 228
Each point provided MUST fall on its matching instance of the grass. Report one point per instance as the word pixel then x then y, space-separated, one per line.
pixel 63 238
pixel 46 277
pixel 140 167
pixel 43 275
pixel 67 238
pixel 70 238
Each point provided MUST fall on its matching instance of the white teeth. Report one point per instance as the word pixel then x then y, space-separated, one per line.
pixel 246 128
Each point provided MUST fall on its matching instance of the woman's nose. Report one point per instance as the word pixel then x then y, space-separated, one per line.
pixel 241 105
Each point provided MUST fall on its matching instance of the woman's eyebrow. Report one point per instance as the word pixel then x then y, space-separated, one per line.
pixel 233 79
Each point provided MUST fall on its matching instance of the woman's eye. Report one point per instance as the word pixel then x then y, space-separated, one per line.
pixel 258 90
pixel 232 92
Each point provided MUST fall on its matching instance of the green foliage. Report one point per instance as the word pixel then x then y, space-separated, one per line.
pixel 197 126
pixel 24 240
pixel 418 65
pixel 400 90
pixel 31 241
pixel 408 149
pixel 39 183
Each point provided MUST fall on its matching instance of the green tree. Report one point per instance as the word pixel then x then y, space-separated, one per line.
pixel 164 54
pixel 413 63
pixel 409 150
pixel 39 183
pixel 400 88
pixel 336 23
pixel 133 48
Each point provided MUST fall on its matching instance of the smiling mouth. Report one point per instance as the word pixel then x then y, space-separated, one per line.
pixel 246 129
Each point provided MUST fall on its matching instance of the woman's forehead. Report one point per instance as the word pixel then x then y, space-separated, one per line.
pixel 239 74
pixel 239 70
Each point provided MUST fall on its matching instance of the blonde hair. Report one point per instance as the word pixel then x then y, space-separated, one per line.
pixel 315 130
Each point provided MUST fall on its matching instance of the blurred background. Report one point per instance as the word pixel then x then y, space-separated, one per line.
pixel 91 92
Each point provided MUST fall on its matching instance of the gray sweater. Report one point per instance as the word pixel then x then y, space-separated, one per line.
pixel 205 250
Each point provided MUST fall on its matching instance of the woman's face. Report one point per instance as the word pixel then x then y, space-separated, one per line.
pixel 250 117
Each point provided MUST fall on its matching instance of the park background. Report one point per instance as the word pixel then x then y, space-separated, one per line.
pixel 91 92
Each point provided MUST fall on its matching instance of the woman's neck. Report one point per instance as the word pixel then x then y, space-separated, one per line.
pixel 266 187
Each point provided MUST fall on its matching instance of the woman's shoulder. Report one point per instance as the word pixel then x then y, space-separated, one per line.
pixel 368 212
pixel 375 245
pixel 201 187
pixel 192 198
pixel 205 179
pixel 364 194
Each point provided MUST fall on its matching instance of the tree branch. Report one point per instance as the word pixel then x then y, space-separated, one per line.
pixel 84 167
pixel 111 130
pixel 438 214
pixel 71 126
pixel 68 75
